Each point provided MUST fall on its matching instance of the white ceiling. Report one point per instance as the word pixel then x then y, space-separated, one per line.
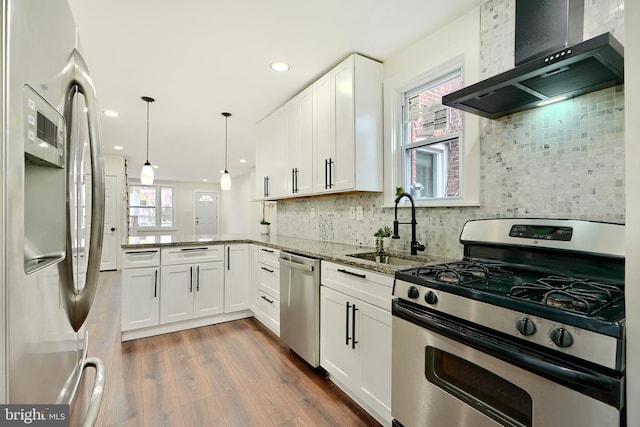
pixel 198 58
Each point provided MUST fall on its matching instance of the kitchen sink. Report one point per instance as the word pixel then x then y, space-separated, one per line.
pixel 393 259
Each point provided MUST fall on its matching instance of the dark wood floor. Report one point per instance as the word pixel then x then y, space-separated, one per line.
pixel 232 374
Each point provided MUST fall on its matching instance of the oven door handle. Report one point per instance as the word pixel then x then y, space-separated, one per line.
pixel 503 350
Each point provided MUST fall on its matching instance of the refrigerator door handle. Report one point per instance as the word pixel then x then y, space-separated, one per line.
pixel 68 392
pixel 78 303
pixel 96 394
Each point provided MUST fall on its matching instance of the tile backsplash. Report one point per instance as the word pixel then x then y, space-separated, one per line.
pixel 561 161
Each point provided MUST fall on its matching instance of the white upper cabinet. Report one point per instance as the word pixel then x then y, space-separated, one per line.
pixel 348 127
pixel 333 133
pixel 270 161
pixel 299 120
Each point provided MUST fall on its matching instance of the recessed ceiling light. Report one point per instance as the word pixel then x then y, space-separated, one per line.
pixel 111 113
pixel 279 66
pixel 243 161
pixel 155 166
pixel 118 147
pixel 204 179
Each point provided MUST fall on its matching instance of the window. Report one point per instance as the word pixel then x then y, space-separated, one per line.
pixel 448 56
pixel 151 206
pixel 431 136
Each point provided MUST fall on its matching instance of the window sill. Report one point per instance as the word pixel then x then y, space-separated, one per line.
pixel 155 229
pixel 435 203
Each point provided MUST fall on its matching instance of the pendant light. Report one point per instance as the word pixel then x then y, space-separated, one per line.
pixel 146 175
pixel 225 179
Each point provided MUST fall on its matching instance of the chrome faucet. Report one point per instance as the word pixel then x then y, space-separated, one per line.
pixel 415 245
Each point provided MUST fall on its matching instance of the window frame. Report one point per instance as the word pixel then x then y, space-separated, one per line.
pixel 158 190
pixel 395 169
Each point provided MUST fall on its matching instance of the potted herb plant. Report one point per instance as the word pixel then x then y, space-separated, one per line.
pixel 381 254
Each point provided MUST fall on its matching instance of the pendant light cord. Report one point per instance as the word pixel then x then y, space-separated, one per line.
pixel 147 131
pixel 226 139
pixel 148 100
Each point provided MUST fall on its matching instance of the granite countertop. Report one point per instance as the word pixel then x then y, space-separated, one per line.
pixel 327 251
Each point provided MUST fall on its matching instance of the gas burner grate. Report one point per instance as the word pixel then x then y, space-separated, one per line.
pixel 461 272
pixel 580 295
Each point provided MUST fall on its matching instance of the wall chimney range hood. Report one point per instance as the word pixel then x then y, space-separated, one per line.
pixel 557 72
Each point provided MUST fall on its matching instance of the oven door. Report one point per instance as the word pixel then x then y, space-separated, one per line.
pixel 447 373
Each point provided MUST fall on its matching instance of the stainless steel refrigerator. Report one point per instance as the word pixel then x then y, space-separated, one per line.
pixel 51 207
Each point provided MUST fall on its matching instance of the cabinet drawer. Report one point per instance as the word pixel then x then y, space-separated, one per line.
pixel 269 308
pixel 269 280
pixel 268 256
pixel 370 287
pixel 138 258
pixel 191 254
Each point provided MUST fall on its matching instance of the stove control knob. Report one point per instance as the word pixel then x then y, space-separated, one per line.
pixel 526 327
pixel 413 292
pixel 561 337
pixel 431 298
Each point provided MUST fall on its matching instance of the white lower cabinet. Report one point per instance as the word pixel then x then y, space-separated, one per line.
pixel 192 282
pixel 179 287
pixel 191 290
pixel 140 298
pixel 355 335
pixel 140 289
pixel 209 296
pixel 268 311
pixel 266 287
pixel 237 277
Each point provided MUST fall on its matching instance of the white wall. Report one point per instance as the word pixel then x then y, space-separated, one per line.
pixel 185 204
pixel 632 154
pixel 431 57
pixel 239 212
pixel 183 196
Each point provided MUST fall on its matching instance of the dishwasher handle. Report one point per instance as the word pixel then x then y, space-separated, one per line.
pixel 304 267
pixel 297 262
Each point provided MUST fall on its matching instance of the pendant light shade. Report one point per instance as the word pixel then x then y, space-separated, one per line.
pixel 146 175
pixel 225 179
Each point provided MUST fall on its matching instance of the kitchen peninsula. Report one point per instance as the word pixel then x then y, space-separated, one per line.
pixel 221 275
pixel 326 251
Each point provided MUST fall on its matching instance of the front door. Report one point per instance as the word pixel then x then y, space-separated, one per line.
pixel 206 212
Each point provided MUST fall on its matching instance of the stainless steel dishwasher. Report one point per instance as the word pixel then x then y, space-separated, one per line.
pixel 300 305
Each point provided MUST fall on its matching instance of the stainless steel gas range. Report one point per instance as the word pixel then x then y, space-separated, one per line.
pixel 526 330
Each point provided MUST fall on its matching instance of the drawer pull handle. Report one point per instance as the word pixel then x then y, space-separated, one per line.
pixel 346 318
pixel 353 326
pixel 362 276
pixel 266 269
pixel 268 250
pixel 193 249
pixel 266 299
pixel 141 252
